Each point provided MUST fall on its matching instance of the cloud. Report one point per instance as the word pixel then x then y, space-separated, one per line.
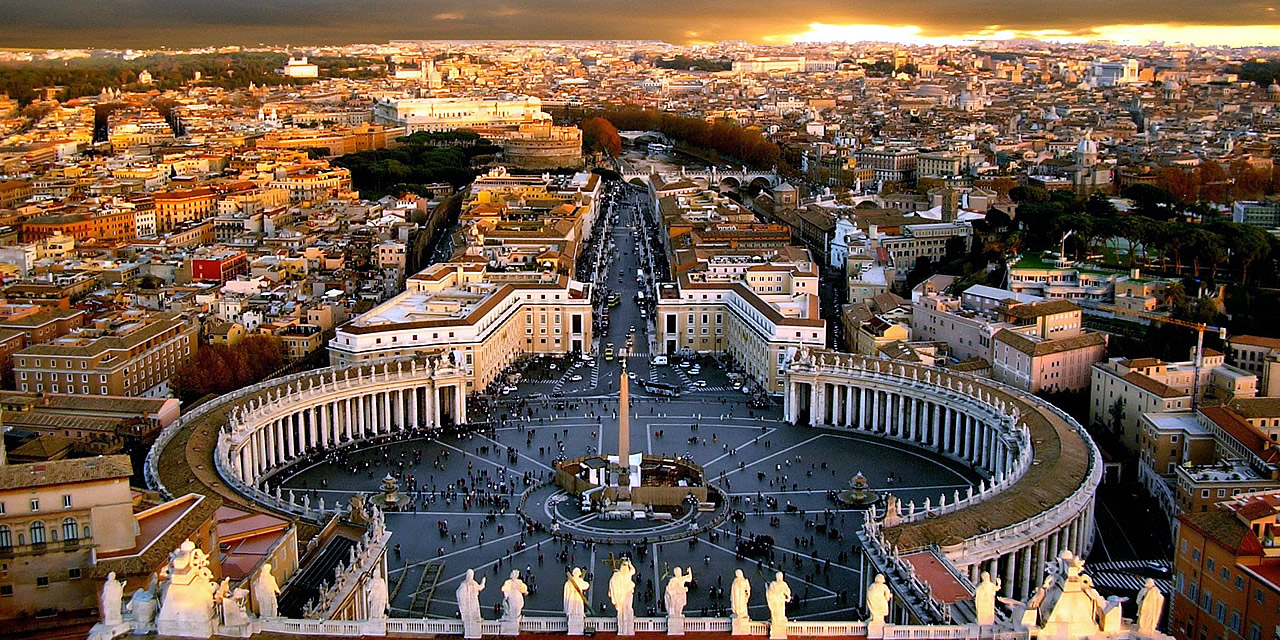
pixel 151 23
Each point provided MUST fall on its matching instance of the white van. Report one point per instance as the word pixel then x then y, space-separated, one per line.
pixel 660 360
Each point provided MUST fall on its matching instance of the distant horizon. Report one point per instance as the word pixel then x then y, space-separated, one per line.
pixel 186 24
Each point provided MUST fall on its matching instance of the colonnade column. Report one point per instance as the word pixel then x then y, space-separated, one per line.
pixel 413 407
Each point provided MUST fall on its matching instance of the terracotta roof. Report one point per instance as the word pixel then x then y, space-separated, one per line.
pixel 1256 341
pixel 1261 407
pixel 1244 433
pixel 1038 348
pixel 173 522
pixel 1041 309
pixel 1152 386
pixel 1223 528
pixel 39 474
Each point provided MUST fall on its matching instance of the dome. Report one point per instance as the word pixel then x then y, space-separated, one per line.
pixel 1273 89
pixel 1172 85
pixel 1087 145
pixel 929 91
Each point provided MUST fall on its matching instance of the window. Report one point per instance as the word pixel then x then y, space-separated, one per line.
pixel 42 581
pixel 70 532
pixel 1259 596
pixel 6 537
pixel 73 573
pixel 1234 621
pixel 35 504
pixel 66 501
pixel 37 532
pixel 6 590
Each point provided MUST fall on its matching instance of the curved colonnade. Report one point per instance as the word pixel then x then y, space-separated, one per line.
pixel 264 428
pixel 1041 468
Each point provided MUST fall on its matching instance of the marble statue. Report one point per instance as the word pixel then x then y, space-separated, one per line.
pixel 1150 606
pixel 739 594
pixel 879 596
pixel 513 592
pixel 468 594
pixel 376 597
pixel 186 609
pixel 984 599
pixel 265 590
pixel 233 608
pixel 575 600
pixel 777 595
pixel 143 607
pixel 112 594
pixel 677 593
pixel 621 592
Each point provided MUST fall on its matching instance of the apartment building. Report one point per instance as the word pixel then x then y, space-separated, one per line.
pixel 890 164
pixel 486 318
pixel 1226 570
pixel 759 313
pixel 131 354
pixel 54 517
pixel 1261 357
pixel 219 266
pixel 1122 389
pixel 174 208
pixel 1046 348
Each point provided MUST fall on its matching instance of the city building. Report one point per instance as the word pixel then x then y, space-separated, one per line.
pixel 485 318
pixel 447 114
pixel 1260 356
pixel 757 312
pixel 1226 577
pixel 55 517
pixel 132 354
pixel 1122 389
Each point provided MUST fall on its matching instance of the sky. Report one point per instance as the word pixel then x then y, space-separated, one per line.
pixel 189 23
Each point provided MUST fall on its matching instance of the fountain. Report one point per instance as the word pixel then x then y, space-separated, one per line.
pixel 859 495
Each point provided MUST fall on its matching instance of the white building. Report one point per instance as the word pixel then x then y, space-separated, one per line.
pixel 300 68
pixel 447 114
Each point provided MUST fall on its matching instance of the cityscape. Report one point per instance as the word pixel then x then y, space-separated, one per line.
pixel 607 321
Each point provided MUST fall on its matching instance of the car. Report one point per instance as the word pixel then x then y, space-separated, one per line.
pixel 631 374
pixel 686 364
pixel 576 379
pixel 586 357
pixel 553 366
pixel 659 360
pixel 700 383
pixel 737 385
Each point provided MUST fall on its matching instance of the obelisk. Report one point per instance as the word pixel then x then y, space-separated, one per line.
pixel 624 438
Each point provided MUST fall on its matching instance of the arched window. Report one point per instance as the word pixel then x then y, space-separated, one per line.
pixel 6 536
pixel 69 530
pixel 37 532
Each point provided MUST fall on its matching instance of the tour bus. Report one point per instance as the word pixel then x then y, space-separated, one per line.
pixel 661 389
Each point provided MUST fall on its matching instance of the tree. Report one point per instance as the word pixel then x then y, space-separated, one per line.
pixel 1022 194
pixel 1116 413
pixel 598 134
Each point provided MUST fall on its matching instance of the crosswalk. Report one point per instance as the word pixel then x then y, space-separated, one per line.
pixel 1126 581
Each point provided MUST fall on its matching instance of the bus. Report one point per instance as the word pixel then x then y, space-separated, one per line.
pixel 661 389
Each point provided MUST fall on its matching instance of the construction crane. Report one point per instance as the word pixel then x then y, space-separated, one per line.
pixel 1200 328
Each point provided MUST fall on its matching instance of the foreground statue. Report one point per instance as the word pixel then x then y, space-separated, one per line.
pixel 575 601
pixel 1150 606
pixel 675 597
pixel 984 599
pixel 265 592
pixel 777 595
pixel 739 593
pixel 879 596
pixel 376 597
pixel 513 592
pixel 621 592
pixel 739 596
pixel 468 594
pixel 109 605
pixel 187 607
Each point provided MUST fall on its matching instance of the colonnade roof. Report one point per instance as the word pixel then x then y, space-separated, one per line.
pixel 1060 466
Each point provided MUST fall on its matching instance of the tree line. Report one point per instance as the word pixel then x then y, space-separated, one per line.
pixel 722 136
pixel 220 369
pixel 421 159
pixel 88 76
